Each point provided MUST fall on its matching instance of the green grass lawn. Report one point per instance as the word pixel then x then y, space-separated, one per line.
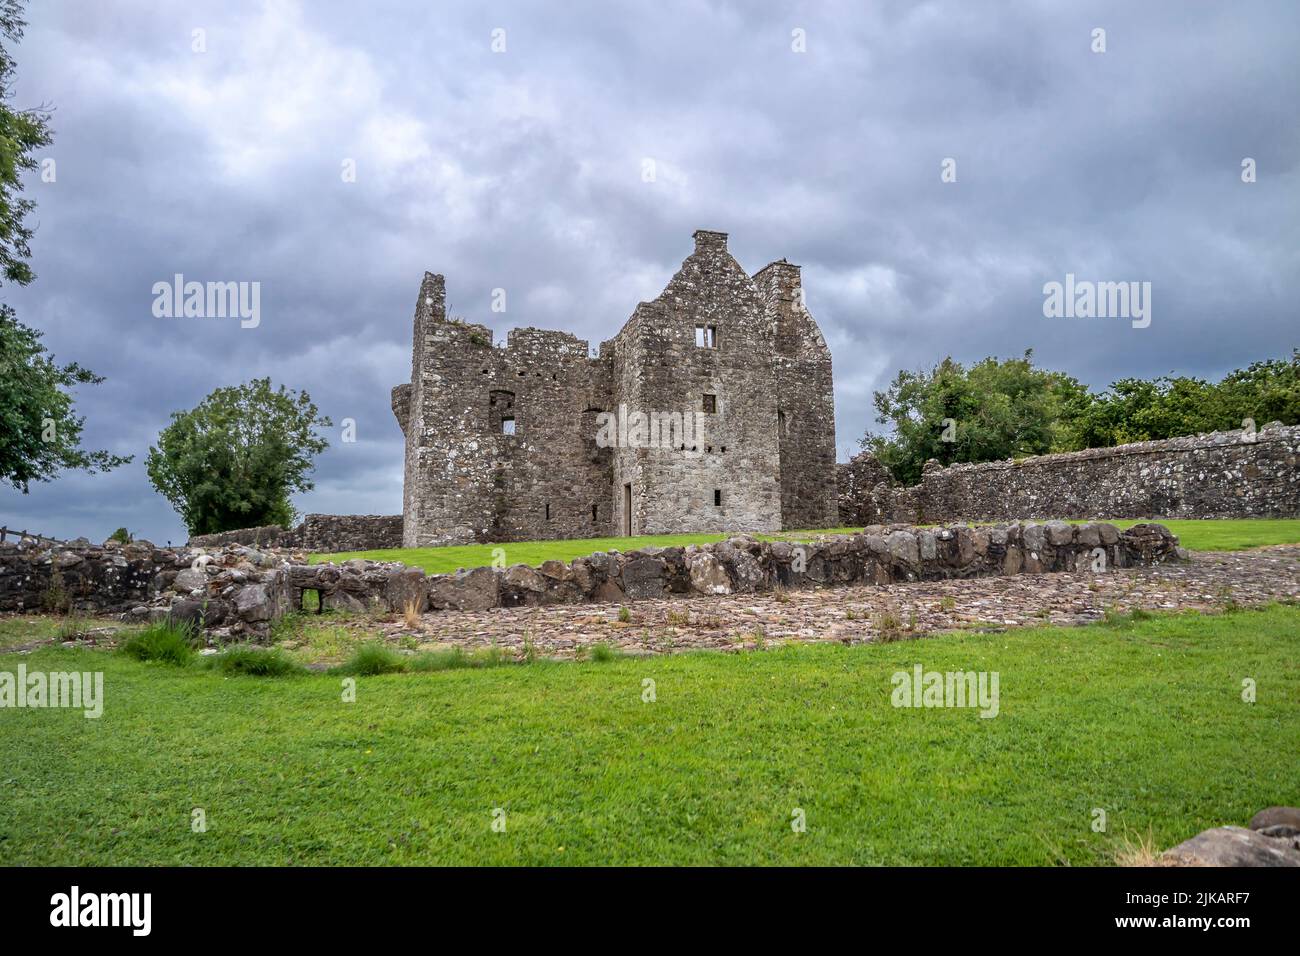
pixel 1197 535
pixel 1143 719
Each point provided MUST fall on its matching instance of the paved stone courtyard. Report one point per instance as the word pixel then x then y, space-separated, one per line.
pixel 868 613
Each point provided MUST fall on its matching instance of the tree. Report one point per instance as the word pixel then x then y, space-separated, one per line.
pixel 233 461
pixel 994 410
pixel 21 133
pixel 1134 409
pixel 40 430
pixel 39 433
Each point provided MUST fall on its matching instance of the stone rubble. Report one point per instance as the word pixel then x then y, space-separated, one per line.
pixel 238 591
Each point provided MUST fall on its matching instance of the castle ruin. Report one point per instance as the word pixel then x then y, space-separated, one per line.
pixel 710 410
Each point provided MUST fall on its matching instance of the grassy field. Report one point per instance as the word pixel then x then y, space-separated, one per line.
pixel 1143 719
pixel 1197 535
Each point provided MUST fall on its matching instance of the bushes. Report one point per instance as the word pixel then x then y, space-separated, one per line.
pixel 165 642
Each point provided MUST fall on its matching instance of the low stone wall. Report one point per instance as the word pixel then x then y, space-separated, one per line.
pixel 240 590
pixel 1218 475
pixel 324 534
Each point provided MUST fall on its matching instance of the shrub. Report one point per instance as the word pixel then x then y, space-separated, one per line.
pixel 165 641
pixel 256 662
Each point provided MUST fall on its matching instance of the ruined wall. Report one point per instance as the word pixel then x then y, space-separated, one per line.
pixel 805 396
pixel 497 449
pixel 731 482
pixel 317 533
pixel 1219 475
pixel 757 468
pixel 237 591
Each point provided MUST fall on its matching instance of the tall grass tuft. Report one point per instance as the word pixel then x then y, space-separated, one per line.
pixel 371 659
pixel 166 642
pixel 255 662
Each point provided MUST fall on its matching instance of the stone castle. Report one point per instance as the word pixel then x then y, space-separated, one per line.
pixel 710 410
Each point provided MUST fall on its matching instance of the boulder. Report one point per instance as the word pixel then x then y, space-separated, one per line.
pixel 254 604
pixel 1058 533
pixel 707 574
pixel 189 580
pixel 643 577
pixel 406 586
pixel 1234 846
pixel 522 586
pixel 474 590
pixel 1277 821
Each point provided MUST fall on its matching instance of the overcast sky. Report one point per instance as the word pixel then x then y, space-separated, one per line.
pixel 523 170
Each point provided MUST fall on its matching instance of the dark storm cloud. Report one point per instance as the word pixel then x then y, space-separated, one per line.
pixel 522 170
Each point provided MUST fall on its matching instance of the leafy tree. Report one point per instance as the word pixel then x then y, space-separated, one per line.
pixel 1133 409
pixel 39 433
pixel 233 461
pixel 992 410
pixel 21 133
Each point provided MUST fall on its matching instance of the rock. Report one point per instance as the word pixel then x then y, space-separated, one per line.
pixel 186 612
pixel 1233 846
pixel 1273 817
pixel 521 585
pixel 707 574
pixel 904 548
pixel 643 577
pixel 1059 533
pixel 474 590
pixel 190 579
pixel 927 545
pixel 254 604
pixel 1149 543
pixel 1088 535
pixel 406 586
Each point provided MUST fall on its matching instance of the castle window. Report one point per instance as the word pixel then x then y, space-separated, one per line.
pixel 710 403
pixel 548 511
pixel 593 512
pixel 780 423
pixel 717 497
pixel 501 409
pixel 706 336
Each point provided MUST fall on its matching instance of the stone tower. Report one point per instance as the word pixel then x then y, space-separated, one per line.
pixel 711 410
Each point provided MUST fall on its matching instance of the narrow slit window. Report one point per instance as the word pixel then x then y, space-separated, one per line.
pixel 706 336
pixel 593 512
pixel 710 403
pixel 717 497
pixel 548 511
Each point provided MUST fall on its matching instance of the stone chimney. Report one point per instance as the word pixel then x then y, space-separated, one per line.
pixel 707 240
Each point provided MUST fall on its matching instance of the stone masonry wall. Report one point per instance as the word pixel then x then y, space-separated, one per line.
pixel 501 440
pixel 1217 475
pixel 236 591
pixel 322 534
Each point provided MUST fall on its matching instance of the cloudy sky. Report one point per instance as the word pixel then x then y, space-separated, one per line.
pixel 522 169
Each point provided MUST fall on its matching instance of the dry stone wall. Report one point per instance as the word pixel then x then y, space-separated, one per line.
pixel 1233 474
pixel 237 591
pixel 322 534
